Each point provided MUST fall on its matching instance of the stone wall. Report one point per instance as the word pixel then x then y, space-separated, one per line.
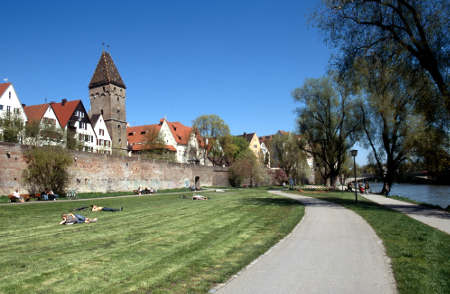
pixel 103 173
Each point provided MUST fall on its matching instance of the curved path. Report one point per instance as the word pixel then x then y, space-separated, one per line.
pixel 332 250
pixel 435 218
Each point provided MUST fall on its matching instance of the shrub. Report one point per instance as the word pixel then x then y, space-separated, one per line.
pixel 47 168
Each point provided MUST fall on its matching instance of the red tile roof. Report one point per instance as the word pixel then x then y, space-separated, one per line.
pixel 138 137
pixel 180 132
pixel 65 112
pixel 3 87
pixel 35 112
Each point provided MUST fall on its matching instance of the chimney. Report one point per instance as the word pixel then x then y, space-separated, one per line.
pixel 63 101
pixel 23 105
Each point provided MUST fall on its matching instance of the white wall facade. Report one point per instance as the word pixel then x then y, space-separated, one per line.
pixel 103 143
pixel 10 103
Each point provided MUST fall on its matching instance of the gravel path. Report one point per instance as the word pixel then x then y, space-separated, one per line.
pixel 435 218
pixel 332 250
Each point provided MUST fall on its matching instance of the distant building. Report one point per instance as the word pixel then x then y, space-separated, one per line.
pixel 174 136
pixel 75 122
pixel 10 104
pixel 103 145
pixel 253 142
pixel 107 93
pixel 50 130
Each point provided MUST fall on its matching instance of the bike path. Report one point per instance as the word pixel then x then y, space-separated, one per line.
pixel 332 250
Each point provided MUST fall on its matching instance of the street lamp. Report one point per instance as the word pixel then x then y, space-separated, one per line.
pixel 354 152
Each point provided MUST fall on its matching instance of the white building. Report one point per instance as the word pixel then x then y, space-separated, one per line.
pixel 10 103
pixel 103 142
pixel 50 131
pixel 75 122
pixel 177 138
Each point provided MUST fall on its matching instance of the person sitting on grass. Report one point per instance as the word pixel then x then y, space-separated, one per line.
pixel 17 196
pixel 51 195
pixel 101 208
pixel 70 219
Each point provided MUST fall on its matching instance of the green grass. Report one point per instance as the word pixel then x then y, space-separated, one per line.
pixel 425 205
pixel 420 254
pixel 158 244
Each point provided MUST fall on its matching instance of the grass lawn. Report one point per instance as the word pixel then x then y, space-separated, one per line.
pixel 420 254
pixel 158 244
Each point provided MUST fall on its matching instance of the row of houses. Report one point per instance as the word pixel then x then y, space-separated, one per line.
pixel 66 117
pixel 104 128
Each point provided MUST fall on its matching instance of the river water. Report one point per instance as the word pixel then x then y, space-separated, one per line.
pixel 431 194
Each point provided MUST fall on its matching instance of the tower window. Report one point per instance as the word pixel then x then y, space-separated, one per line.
pixel 104 89
pixel 101 111
pixel 118 110
pixel 118 126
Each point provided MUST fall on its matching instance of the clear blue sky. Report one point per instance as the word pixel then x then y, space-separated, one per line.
pixel 179 59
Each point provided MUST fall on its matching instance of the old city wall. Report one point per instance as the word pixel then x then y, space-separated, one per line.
pixel 101 173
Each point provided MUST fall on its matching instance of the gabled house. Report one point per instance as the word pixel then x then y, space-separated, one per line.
pixel 75 122
pixel 103 143
pixel 49 131
pixel 253 143
pixel 175 137
pixel 10 104
pixel 141 138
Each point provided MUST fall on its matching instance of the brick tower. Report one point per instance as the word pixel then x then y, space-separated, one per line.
pixel 107 93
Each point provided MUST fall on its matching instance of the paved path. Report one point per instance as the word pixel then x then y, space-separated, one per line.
pixel 435 218
pixel 332 250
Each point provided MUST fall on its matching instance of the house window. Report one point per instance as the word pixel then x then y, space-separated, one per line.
pixel 143 133
pixel 8 109
pixel 80 137
pixel 130 134
pixel 83 125
pixel 101 132
pixel 1 107
pixel 92 139
pixel 16 110
pixel 9 95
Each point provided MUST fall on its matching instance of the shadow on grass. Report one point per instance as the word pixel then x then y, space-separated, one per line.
pixel 270 201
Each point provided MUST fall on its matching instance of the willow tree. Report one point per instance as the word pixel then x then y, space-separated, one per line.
pixel 389 121
pixel 327 120
pixel 415 30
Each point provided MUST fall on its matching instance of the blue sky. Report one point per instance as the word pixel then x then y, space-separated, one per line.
pixel 179 59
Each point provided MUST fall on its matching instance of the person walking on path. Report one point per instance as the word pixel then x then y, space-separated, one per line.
pixel 332 250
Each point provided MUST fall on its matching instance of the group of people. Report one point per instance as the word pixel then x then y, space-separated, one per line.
pixel 363 188
pixel 74 218
pixel 145 190
pixel 48 195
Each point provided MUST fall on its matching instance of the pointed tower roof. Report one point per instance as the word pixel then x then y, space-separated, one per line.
pixel 106 73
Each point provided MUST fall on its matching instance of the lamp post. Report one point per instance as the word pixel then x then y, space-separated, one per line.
pixel 354 152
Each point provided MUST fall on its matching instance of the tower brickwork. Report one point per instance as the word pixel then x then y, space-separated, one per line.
pixel 107 94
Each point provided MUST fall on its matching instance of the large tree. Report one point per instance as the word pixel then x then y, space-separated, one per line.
pixel 327 119
pixel 211 128
pixel 287 154
pixel 415 31
pixel 391 126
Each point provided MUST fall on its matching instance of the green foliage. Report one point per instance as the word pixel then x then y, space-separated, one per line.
pixel 38 134
pixel 248 170
pixel 232 147
pixel 211 128
pixel 12 126
pixel 287 154
pixel 47 168
pixel 390 124
pixel 412 32
pixel 327 120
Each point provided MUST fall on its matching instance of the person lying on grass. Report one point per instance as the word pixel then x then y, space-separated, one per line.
pixel 199 197
pixel 96 208
pixel 70 219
